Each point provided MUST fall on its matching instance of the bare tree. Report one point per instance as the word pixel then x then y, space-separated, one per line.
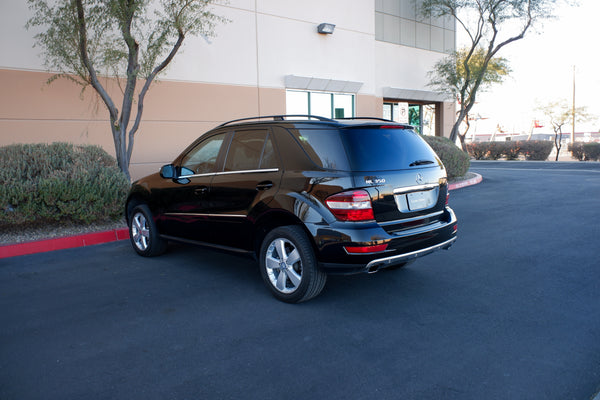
pixel 127 40
pixel 489 25
pixel 450 75
pixel 559 114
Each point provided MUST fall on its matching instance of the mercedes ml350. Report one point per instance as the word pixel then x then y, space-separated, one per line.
pixel 306 196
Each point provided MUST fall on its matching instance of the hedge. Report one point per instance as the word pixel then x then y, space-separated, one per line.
pixel 60 182
pixel 536 150
pixel 530 150
pixel 585 151
pixel 455 160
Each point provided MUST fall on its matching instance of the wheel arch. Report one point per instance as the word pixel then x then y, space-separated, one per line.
pixel 136 197
pixel 274 219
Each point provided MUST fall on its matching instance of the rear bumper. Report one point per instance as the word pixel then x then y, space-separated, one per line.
pixel 401 248
pixel 379 263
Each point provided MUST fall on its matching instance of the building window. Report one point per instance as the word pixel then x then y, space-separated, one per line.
pixel 323 104
pixel 397 112
pixel 400 22
pixel 420 116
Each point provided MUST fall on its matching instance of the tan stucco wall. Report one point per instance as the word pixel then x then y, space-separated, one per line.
pixel 369 106
pixel 444 118
pixel 175 113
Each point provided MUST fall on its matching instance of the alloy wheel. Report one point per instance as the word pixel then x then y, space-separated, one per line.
pixel 140 231
pixel 284 265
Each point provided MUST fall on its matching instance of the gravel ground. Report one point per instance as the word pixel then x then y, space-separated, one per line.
pixel 29 234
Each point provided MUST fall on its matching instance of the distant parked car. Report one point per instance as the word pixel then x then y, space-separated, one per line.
pixel 307 196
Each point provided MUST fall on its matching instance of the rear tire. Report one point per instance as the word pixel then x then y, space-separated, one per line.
pixel 143 233
pixel 288 265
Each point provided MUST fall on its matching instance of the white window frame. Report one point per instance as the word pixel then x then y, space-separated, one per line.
pixel 310 104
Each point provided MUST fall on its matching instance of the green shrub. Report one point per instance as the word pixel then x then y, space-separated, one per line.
pixel 585 151
pixel 511 150
pixel 496 150
pixel 531 150
pixel 537 150
pixel 576 150
pixel 59 182
pixel 591 151
pixel 455 160
pixel 478 150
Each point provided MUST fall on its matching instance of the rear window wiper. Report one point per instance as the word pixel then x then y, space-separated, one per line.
pixel 420 162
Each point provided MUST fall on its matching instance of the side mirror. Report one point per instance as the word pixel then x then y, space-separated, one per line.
pixel 168 171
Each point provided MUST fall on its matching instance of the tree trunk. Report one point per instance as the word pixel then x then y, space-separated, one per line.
pixel 463 136
pixel 455 133
pixel 121 150
pixel 463 145
pixel 557 143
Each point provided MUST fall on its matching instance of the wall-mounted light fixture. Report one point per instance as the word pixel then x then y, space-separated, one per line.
pixel 326 28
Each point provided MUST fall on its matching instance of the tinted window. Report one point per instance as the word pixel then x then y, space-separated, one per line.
pixel 202 158
pixel 250 150
pixel 324 147
pixel 374 149
pixel 269 159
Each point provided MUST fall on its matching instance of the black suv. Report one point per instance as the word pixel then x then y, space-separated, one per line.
pixel 307 196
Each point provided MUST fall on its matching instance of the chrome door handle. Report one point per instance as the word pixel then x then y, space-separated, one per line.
pixel 264 185
pixel 202 190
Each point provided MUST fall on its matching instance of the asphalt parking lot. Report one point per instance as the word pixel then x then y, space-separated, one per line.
pixel 511 311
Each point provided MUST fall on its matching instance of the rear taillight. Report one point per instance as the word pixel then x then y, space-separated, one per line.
pixel 376 248
pixel 354 205
pixel 447 196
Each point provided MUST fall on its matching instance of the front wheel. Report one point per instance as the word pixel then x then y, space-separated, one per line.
pixel 144 234
pixel 288 265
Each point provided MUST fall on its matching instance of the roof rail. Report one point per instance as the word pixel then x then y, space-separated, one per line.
pixel 368 118
pixel 279 118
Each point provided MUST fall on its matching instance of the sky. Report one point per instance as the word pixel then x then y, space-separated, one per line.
pixel 542 71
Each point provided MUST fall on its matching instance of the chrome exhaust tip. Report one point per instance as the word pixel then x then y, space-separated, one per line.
pixel 373 269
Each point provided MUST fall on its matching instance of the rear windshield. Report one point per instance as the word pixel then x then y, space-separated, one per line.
pixel 365 149
pixel 324 147
pixel 376 149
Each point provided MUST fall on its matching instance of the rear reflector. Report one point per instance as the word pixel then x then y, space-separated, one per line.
pixel 365 249
pixel 395 127
pixel 354 205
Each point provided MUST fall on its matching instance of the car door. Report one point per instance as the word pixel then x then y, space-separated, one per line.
pixel 248 182
pixel 186 202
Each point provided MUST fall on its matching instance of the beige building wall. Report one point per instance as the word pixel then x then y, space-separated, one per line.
pixel 175 113
pixel 240 73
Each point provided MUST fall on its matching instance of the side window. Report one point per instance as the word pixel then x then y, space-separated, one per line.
pixel 250 150
pixel 202 158
pixel 269 158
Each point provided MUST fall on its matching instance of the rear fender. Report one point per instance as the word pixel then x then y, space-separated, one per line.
pixel 309 209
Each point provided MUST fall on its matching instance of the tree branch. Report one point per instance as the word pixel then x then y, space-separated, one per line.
pixel 146 86
pixel 521 35
pixel 114 113
pixel 132 65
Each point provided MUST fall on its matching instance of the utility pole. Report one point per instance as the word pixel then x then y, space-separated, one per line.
pixel 573 110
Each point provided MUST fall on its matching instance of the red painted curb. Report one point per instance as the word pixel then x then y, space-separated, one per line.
pixel 467 182
pixel 88 239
